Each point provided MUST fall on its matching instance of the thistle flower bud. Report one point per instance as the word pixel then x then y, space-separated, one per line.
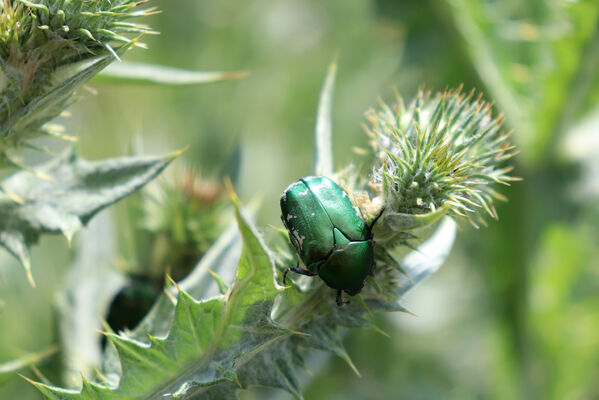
pixel 441 154
pixel 39 40
pixel 182 219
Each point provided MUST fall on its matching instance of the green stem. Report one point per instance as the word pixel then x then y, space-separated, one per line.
pixel 579 89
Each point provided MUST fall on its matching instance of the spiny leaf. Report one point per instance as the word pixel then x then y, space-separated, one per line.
pixel 26 122
pixel 323 335
pixel 209 341
pixel 11 366
pixel 223 254
pixel 76 191
pixel 216 346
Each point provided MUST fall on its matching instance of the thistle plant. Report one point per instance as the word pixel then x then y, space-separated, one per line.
pixel 178 218
pixel 182 219
pixel 44 47
pixel 441 154
pixel 49 49
pixel 209 337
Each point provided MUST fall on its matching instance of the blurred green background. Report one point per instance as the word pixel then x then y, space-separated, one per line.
pixel 514 313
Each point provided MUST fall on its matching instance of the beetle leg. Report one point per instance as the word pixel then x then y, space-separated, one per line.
pixel 300 271
pixel 339 299
pixel 297 270
pixel 372 267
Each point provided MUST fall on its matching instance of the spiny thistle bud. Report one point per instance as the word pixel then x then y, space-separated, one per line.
pixel 441 154
pixel 39 40
pixel 183 219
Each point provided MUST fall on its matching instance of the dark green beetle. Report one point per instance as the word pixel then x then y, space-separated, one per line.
pixel 329 233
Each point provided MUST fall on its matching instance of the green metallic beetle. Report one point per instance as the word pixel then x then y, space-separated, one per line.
pixel 329 234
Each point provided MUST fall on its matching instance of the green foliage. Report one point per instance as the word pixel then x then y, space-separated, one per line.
pixel 12 366
pixel 40 41
pixel 243 337
pixel 210 341
pixel 538 60
pixel 71 191
pixel 150 74
pixel 562 298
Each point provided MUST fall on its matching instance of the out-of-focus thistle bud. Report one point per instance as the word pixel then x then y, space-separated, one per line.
pixel 184 219
pixel 441 154
pixel 49 48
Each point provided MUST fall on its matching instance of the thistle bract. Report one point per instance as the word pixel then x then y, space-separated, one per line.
pixel 39 39
pixel 182 219
pixel 440 154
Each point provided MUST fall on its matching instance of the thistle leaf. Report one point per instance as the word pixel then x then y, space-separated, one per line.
pixel 208 343
pixel 211 348
pixel 429 256
pixel 11 366
pixel 27 122
pixel 74 191
pixel 323 164
pixel 127 72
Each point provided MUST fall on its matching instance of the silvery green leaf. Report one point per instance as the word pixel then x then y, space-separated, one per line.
pixel 429 256
pixel 9 367
pixel 323 164
pixel 65 194
pixel 127 72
